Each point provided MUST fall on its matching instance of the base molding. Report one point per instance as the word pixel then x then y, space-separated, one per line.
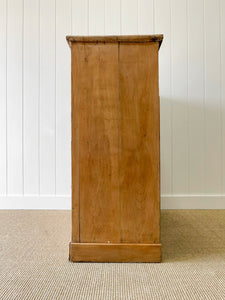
pixel 183 201
pixel 193 201
pixel 100 252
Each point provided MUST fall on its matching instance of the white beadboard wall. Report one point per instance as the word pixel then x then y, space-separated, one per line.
pixel 35 95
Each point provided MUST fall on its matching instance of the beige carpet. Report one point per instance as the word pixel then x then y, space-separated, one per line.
pixel 34 260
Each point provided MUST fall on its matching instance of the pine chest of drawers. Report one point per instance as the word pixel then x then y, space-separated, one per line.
pixel 115 149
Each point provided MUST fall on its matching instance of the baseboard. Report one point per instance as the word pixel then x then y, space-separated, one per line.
pixel 64 202
pixel 35 202
pixel 99 252
pixel 192 201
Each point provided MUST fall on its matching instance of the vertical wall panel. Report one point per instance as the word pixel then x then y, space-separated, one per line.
pixel 15 96
pixel 96 17
pixel 196 95
pixel 3 95
pixel 129 16
pixel 31 96
pixel 222 85
pixel 80 17
pixel 179 97
pixel 35 88
pixel 212 97
pixel 146 16
pixel 112 17
pixel 163 25
pixel 47 97
pixel 63 97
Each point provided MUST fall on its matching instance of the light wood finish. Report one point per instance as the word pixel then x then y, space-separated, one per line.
pixel 75 148
pixel 96 252
pixel 96 162
pixel 139 146
pixel 115 149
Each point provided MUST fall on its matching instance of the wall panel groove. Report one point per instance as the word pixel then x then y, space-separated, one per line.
pixel 222 37
pixel 14 97
pixel 31 91
pixel 3 97
pixel 47 97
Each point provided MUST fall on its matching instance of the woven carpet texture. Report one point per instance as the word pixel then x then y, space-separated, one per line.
pixel 34 260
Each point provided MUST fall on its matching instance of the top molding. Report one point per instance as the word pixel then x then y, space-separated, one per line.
pixel 115 39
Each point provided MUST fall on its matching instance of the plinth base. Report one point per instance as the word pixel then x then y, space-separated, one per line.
pixel 99 252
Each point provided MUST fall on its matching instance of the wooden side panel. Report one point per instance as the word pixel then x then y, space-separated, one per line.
pixel 76 52
pixel 96 92
pixel 139 143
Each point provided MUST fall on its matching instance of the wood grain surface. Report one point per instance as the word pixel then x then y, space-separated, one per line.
pixel 139 142
pixel 97 252
pixel 96 89
pixel 115 151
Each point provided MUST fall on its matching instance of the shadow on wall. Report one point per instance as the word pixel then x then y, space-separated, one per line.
pixel 192 234
pixel 192 145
